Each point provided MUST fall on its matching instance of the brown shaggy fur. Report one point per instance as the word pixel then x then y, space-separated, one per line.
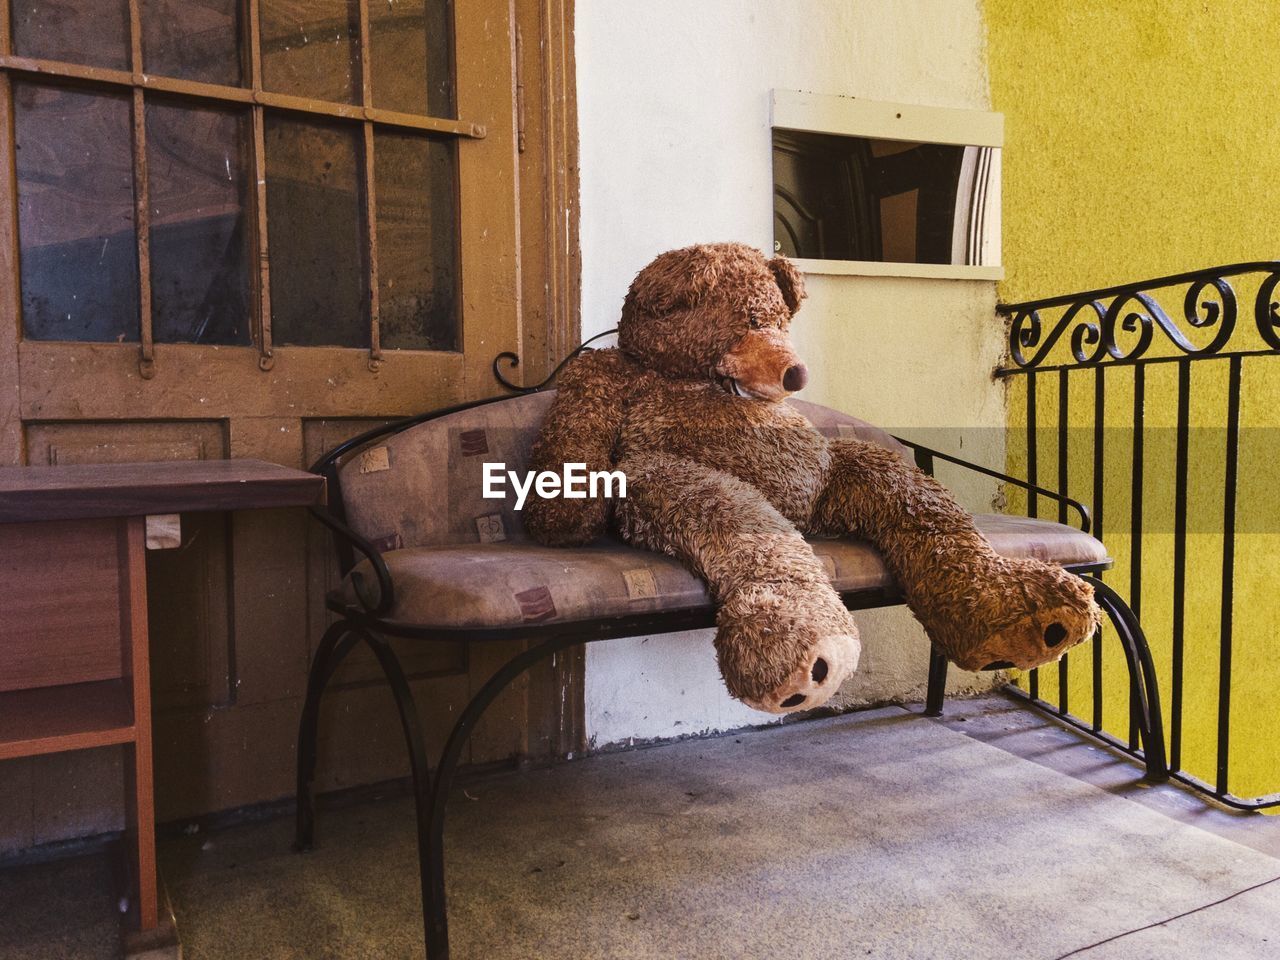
pixel 722 476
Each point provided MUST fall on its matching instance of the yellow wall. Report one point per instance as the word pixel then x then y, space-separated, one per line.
pixel 1140 142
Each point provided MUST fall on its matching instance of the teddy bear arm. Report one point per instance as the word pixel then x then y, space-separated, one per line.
pixel 784 640
pixel 582 426
pixel 981 609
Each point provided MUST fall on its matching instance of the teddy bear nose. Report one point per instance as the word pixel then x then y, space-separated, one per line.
pixel 795 378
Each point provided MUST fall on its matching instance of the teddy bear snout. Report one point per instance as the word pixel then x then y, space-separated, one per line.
pixel 764 365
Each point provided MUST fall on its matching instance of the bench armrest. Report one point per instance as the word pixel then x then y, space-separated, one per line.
pixel 348 541
pixel 925 457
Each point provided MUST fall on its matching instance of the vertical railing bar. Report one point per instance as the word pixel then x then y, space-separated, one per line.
pixel 1099 449
pixel 262 285
pixel 1179 561
pixel 370 191
pixel 1063 401
pixel 1032 502
pixel 1032 506
pixel 1135 526
pixel 1063 477
pixel 1228 574
pixel 141 198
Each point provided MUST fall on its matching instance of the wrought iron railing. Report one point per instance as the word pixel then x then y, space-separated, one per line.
pixel 1109 339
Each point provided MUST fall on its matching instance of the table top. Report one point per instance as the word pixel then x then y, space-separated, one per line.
pixel 79 491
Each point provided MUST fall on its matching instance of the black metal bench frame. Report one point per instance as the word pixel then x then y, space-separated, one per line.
pixel 367 623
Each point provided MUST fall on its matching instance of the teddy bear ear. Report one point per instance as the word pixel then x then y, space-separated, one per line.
pixel 679 278
pixel 790 282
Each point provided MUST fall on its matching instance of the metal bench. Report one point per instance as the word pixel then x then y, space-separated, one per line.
pixel 424 557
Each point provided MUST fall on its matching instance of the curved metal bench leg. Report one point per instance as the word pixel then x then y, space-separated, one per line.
pixel 416 743
pixel 1142 675
pixel 337 642
pixel 431 848
pixel 332 649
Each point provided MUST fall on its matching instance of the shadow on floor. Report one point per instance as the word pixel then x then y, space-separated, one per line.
pixel 60 910
pixel 878 834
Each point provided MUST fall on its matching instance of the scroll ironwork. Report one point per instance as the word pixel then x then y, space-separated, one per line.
pixel 1131 322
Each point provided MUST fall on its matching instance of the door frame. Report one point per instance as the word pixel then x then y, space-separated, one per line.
pixel 547 141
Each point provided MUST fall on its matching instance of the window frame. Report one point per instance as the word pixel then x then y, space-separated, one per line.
pixel 882 120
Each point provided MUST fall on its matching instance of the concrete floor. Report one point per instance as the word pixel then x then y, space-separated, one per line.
pixel 992 833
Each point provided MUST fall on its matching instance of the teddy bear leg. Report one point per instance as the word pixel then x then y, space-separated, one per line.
pixel 784 640
pixel 982 610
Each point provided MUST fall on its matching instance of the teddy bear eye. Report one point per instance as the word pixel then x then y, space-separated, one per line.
pixel 754 321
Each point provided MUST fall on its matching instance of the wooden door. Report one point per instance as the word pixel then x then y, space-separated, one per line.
pixel 252 228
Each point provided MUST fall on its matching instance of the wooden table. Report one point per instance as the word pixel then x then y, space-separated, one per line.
pixel 74 671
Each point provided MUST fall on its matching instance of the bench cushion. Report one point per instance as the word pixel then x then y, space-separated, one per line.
pixel 519 583
pixel 424 486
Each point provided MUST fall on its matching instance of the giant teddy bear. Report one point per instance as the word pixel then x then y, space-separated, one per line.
pixel 729 479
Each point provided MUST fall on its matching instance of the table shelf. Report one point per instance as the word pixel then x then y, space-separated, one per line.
pixel 76 716
pixel 73 575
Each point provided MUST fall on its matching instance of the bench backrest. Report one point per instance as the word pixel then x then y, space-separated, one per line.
pixel 423 486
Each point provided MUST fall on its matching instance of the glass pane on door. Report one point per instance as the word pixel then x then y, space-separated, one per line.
pixel 315 234
pixel 194 41
pixel 199 181
pixel 90 32
pixel 411 59
pixel 417 242
pixel 78 250
pixel 311 48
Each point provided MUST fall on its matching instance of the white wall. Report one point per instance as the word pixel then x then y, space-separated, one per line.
pixel 673 101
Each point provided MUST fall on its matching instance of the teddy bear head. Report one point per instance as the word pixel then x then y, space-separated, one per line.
pixel 717 311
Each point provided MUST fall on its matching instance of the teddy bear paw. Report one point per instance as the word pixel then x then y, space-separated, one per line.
pixel 1040 636
pixel 784 647
pixel 830 662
